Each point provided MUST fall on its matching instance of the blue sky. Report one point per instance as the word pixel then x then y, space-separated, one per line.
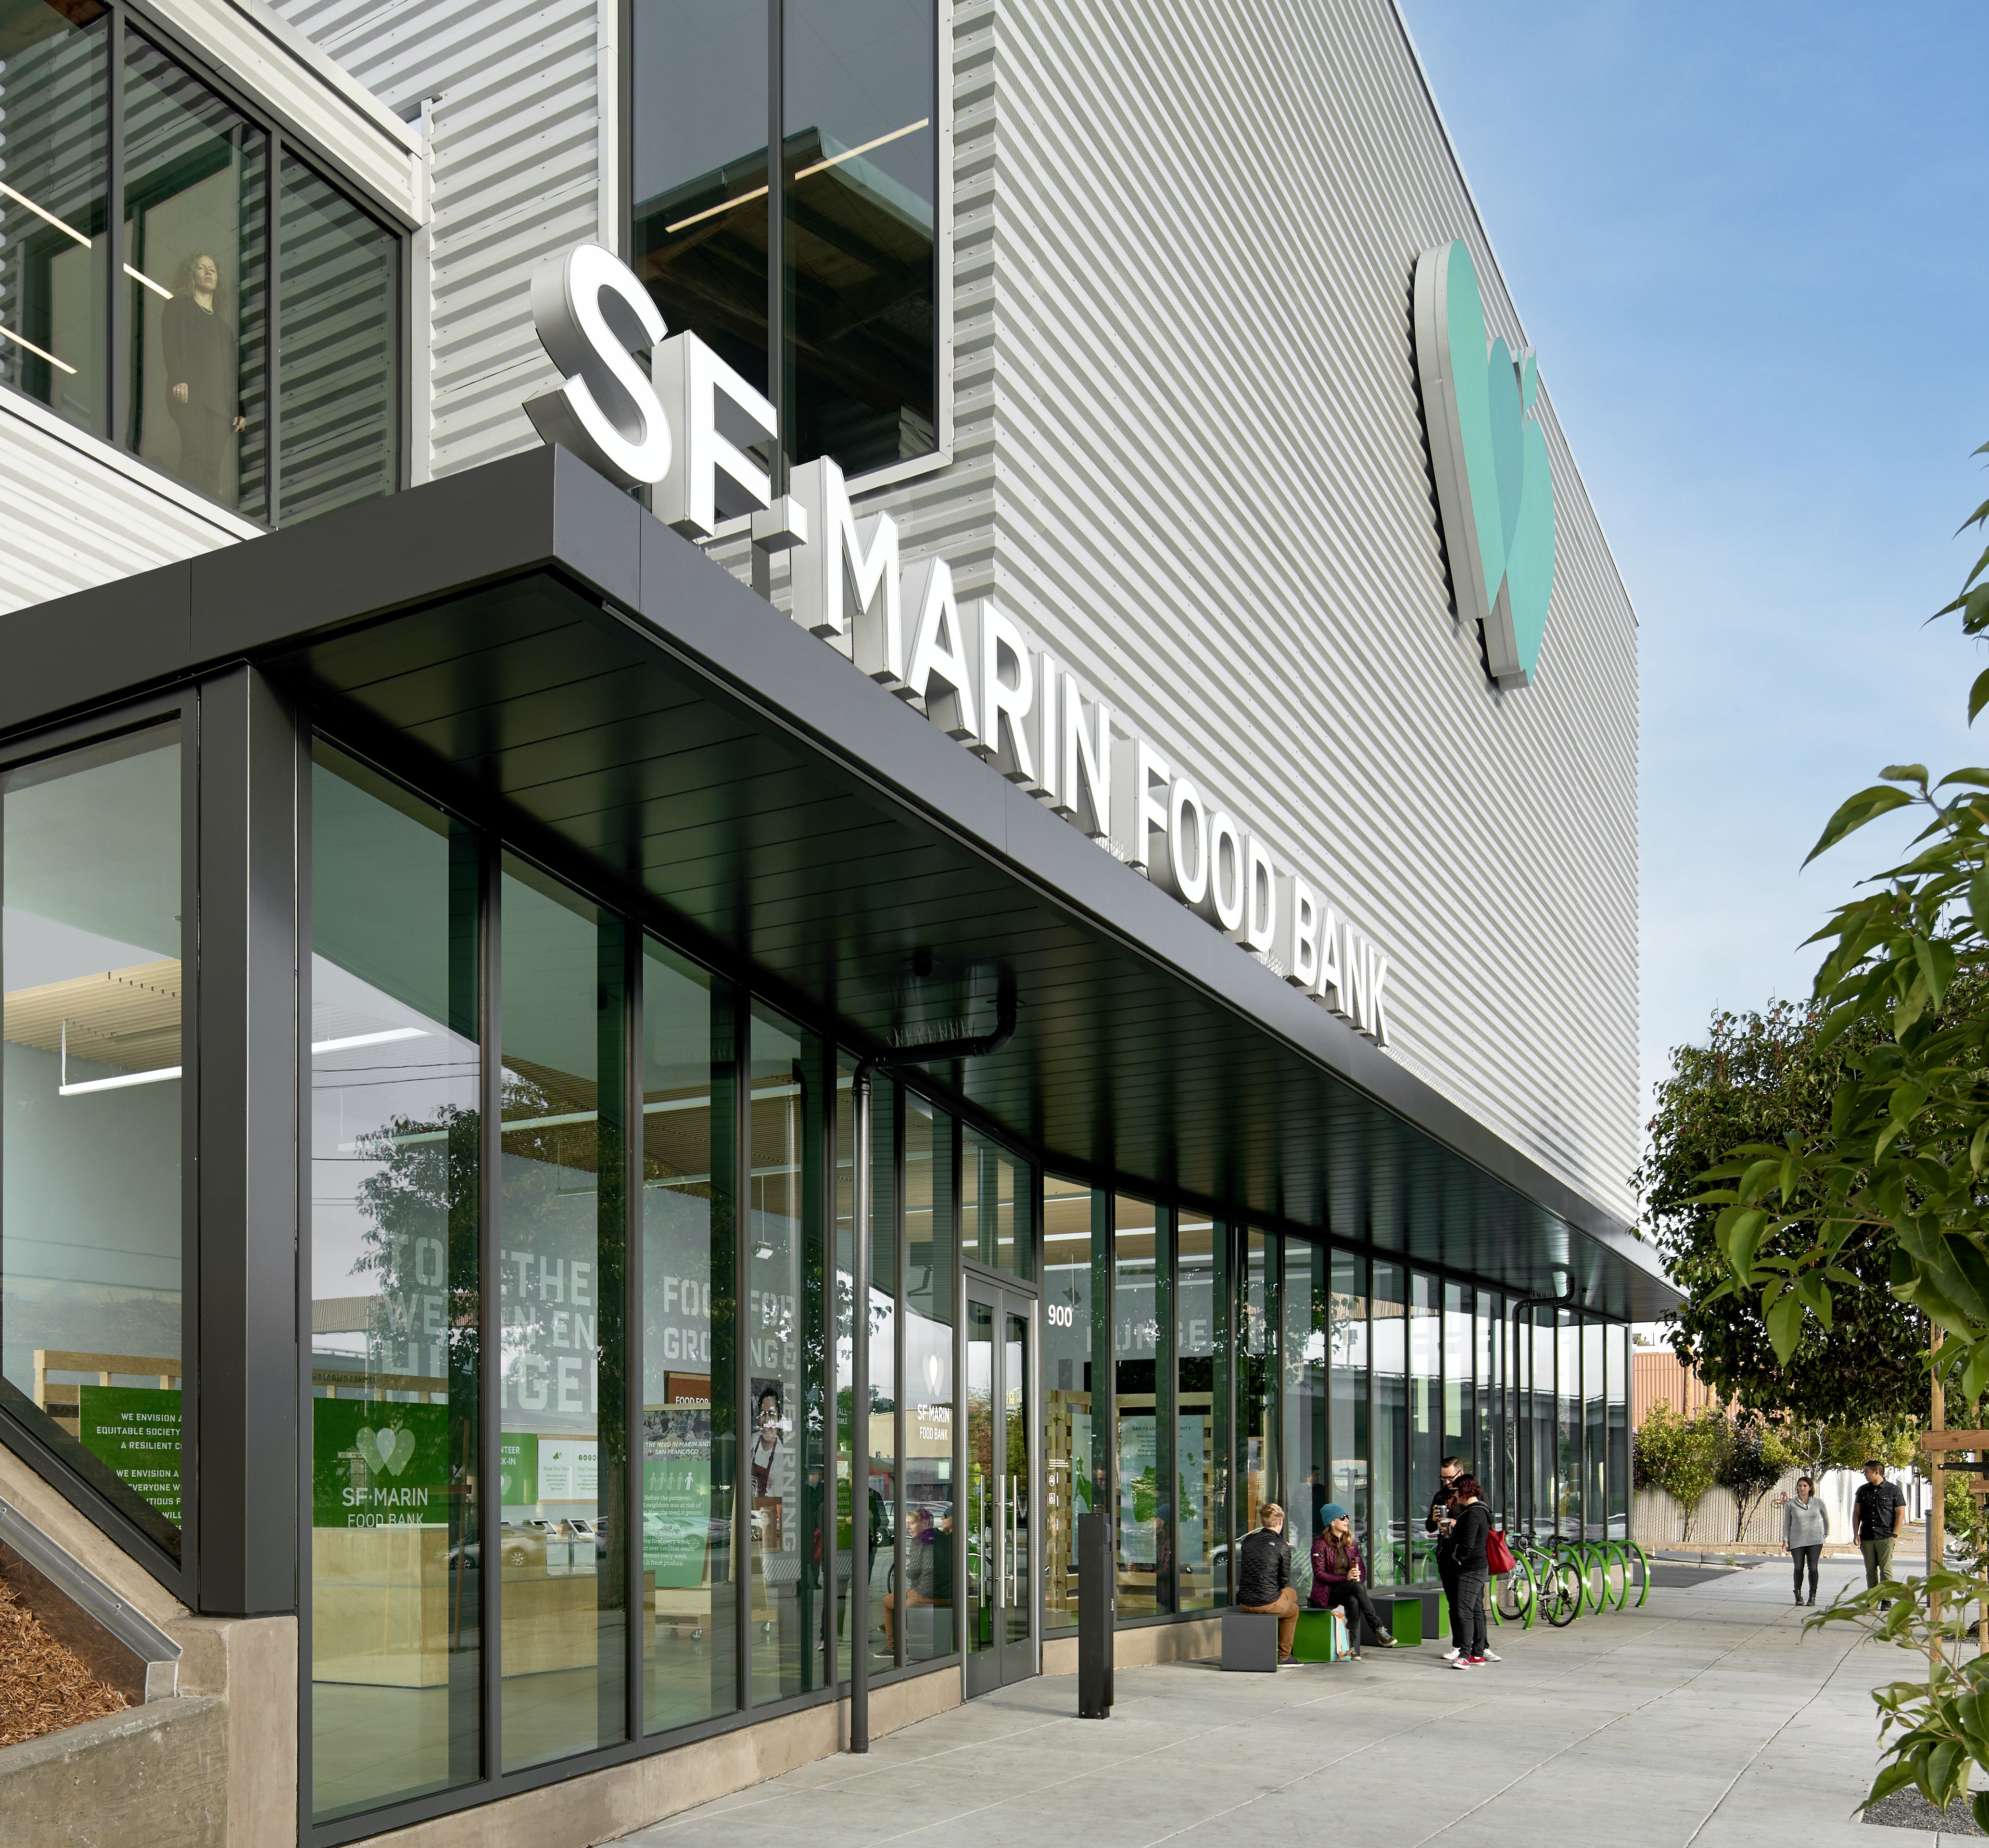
pixel 1750 244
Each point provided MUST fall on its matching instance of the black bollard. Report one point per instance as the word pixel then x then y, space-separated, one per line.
pixel 1097 1601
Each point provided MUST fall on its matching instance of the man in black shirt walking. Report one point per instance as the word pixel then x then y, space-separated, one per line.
pixel 1437 1522
pixel 1878 1512
pixel 1264 1577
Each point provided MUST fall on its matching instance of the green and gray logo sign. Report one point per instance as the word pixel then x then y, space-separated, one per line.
pixel 1493 486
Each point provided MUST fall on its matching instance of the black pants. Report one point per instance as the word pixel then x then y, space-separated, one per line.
pixel 1448 1575
pixel 1352 1597
pixel 1467 1607
pixel 1806 1555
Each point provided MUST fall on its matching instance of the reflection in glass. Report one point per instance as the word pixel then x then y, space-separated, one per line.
pixel 1595 1448
pixel 1201 1558
pixel 1537 1342
pixel 924 1605
pixel 1145 1511
pixel 841 1308
pixel 337 349
pixel 1460 1409
pixel 90 1218
pixel 1017 1554
pixel 699 132
pixel 394 1557
pixel 1347 1340
pixel 1617 1358
pixel 54 309
pixel 1303 1303
pixel 1488 1349
pixel 861 184
pixel 1568 1449
pixel 1426 1418
pixel 195 174
pixel 561 1224
pixel 1390 1511
pixel 1073 1462
pixel 689 1671
pixel 1256 1382
pixel 783 1462
pixel 994 1206
pixel 879 1427
pixel 983 1495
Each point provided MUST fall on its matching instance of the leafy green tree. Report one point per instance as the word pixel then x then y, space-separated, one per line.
pixel 1759 1078
pixel 1757 1455
pixel 1681 1456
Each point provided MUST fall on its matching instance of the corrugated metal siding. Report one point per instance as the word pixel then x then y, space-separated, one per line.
pixel 74 520
pixel 1183 292
pixel 515 174
pixel 1660 1377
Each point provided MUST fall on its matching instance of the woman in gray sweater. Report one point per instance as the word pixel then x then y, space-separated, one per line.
pixel 1804 1528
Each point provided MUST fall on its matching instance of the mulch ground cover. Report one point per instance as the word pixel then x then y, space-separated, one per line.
pixel 43 1687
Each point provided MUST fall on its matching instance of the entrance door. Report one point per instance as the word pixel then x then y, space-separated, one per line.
pixel 1000 1553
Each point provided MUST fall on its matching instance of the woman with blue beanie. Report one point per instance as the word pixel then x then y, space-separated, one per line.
pixel 1338 1579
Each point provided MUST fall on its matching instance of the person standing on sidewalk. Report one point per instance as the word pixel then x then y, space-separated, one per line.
pixel 1879 1511
pixel 1437 1521
pixel 1264 1577
pixel 1805 1526
pixel 1463 1548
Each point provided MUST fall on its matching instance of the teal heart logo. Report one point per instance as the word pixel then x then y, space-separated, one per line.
pixel 386 1453
pixel 1494 488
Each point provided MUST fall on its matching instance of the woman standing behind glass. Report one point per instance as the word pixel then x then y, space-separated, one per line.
pixel 203 382
pixel 1805 1526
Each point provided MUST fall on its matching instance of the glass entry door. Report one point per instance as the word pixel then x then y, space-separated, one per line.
pixel 1000 1553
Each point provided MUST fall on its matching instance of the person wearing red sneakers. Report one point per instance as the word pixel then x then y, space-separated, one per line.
pixel 1462 1550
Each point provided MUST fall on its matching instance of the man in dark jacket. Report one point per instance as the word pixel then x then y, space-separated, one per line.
pixel 1878 1512
pixel 1264 1577
pixel 1437 1522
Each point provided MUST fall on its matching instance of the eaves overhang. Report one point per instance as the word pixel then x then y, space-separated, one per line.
pixel 527 642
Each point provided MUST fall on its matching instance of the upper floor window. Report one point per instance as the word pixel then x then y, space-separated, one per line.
pixel 827 260
pixel 158 334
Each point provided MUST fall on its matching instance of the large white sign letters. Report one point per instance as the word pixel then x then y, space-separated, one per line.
pixel 685 429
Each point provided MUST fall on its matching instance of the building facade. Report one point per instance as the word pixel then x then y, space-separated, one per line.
pixel 1081 674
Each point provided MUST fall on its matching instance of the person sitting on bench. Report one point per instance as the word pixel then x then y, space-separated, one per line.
pixel 1264 1577
pixel 1337 1579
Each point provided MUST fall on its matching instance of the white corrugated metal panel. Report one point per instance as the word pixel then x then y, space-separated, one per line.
pixel 1183 299
pixel 79 513
pixel 515 174
pixel 282 67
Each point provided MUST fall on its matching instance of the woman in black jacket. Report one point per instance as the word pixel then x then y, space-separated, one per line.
pixel 203 381
pixel 1462 1550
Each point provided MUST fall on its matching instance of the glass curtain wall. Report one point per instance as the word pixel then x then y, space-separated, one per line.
pixel 851 205
pixel 924 1608
pixel 1488 1350
pixel 1391 1506
pixel 1142 1318
pixel 1566 1412
pixel 1348 1444
pixel 1595 1447
pixel 1460 1385
pixel 994 1207
pixel 1303 1299
pixel 561 1211
pixel 783 1465
pixel 690 1344
pixel 1256 1379
pixel 394 1550
pixel 1077 1295
pixel 1425 1419
pixel 1617 1356
pixel 1201 1383
pixel 91 1216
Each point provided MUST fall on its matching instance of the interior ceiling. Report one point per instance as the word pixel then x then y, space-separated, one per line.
pixel 619 756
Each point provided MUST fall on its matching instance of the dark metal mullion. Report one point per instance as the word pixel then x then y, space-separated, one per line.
pixel 831 1419
pixel 900 1266
pixel 490 1317
pixel 272 297
pixel 190 896
pixel 117 389
pixel 777 210
pixel 744 1413
pixel 306 1391
pixel 634 1324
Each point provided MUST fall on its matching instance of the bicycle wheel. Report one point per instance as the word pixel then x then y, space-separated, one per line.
pixel 1515 1601
pixel 1636 1571
pixel 1561 1597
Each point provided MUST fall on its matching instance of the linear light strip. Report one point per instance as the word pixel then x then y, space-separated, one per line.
pixel 158 1077
pixel 352 1040
pixel 139 275
pixel 834 160
pixel 43 212
pixel 39 352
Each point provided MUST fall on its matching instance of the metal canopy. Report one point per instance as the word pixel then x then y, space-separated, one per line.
pixel 530 644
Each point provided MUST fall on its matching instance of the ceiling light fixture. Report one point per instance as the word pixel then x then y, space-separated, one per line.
pixel 43 212
pixel 352 1040
pixel 834 160
pixel 40 353
pixel 158 1075
pixel 139 275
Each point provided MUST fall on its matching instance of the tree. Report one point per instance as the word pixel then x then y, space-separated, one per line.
pixel 1681 1456
pixel 1759 1078
pixel 1757 1455
pixel 1901 1168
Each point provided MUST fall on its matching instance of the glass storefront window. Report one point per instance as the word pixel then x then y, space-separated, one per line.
pixel 1145 1510
pixel 1391 1510
pixel 689 1349
pixel 1256 1381
pixel 395 1552
pixel 1201 1389
pixel 338 346
pixel 1595 1444
pixel 925 1604
pixel 1347 1340
pixel 1460 1405
pixel 1075 1292
pixel 782 1479
pixel 1304 1418
pixel 994 1207
pixel 561 1209
pixel 1567 1449
pixel 54 286
pixel 195 279
pixel 1426 1418
pixel 1538 1349
pixel 861 178
pixel 90 1214
pixel 1488 1350
pixel 1617 1358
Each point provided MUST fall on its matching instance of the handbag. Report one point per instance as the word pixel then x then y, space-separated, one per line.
pixel 1341 1645
pixel 1498 1555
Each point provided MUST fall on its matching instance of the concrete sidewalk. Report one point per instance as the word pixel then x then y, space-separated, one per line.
pixel 1705 1719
